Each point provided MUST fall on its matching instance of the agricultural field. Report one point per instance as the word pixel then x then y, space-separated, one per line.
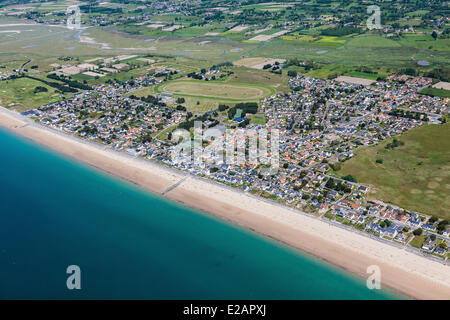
pixel 415 176
pixel 317 41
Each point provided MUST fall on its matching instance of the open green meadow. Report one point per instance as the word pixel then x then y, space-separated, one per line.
pixel 365 75
pixel 260 77
pixel 216 90
pixel 415 176
pixel 435 92
pixel 18 94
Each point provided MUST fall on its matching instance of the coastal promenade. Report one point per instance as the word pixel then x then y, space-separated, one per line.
pixel 401 270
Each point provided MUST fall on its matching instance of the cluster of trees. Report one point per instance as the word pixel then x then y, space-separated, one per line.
pixel 350 178
pixel 149 99
pixel 335 166
pixel 244 123
pixel 188 124
pixel 365 70
pixel 331 184
pixel 146 138
pixel 223 64
pixel 40 89
pixel 223 107
pixel 89 130
pixel 252 16
pixel 340 31
pixel 246 107
pixel 442 225
pixel 103 10
pixel 385 223
pixel 70 82
pixel 394 144
pixel 195 75
pixel 58 86
pixel 409 114
pixel 276 68
pixel 408 71
pixel 441 73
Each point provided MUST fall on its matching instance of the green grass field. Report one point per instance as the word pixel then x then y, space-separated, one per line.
pixel 202 96
pixel 424 41
pixel 417 242
pixel 18 94
pixel 260 77
pixel 415 176
pixel 435 92
pixel 315 41
pixel 365 75
pixel 372 41
pixel 216 90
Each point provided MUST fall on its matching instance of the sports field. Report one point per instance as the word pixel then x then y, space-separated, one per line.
pixel 415 176
pixel 216 90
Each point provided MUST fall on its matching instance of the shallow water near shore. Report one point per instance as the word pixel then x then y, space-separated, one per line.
pixel 130 244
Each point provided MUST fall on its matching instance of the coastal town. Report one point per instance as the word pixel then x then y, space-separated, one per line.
pixel 217 149
pixel 321 124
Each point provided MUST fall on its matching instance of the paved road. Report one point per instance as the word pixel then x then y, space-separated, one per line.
pixel 23 66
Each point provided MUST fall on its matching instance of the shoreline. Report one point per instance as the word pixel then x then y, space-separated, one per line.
pixel 401 271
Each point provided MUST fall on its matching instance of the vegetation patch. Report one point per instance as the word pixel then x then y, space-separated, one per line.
pixel 408 174
pixel 24 93
pixel 435 92
pixel 215 90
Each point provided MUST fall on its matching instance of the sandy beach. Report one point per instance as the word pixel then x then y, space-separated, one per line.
pixel 401 270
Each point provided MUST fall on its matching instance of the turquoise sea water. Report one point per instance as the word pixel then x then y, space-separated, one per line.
pixel 131 244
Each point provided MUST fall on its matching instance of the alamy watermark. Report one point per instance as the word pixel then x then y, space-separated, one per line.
pixel 73 17
pixel 227 146
pixel 374 280
pixel 374 21
pixel 74 280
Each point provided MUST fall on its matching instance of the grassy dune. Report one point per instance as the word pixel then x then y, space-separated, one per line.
pixel 415 176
